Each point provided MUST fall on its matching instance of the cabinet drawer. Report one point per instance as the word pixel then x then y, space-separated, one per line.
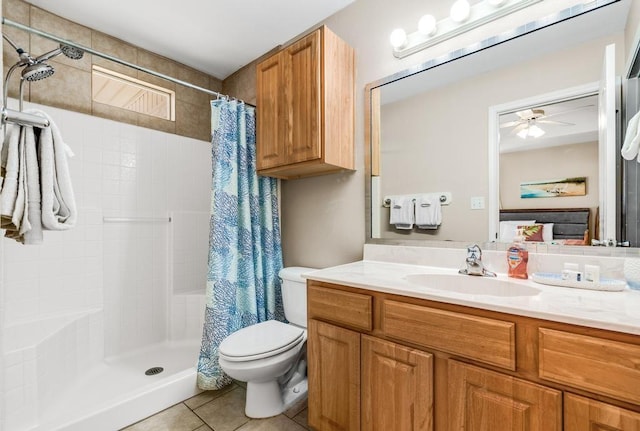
pixel 346 308
pixel 486 340
pixel 591 363
pixel 584 414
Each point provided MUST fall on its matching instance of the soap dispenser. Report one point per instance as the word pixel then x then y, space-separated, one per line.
pixel 518 257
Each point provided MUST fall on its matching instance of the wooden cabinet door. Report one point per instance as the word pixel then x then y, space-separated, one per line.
pixel 585 414
pixel 271 133
pixel 482 400
pixel 303 94
pixel 333 356
pixel 397 387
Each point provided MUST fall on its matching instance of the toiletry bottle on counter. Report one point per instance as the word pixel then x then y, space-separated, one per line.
pixel 517 257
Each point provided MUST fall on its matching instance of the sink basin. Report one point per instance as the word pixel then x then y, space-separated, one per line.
pixel 471 285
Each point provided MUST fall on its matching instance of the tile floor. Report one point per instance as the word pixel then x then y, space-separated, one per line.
pixel 221 410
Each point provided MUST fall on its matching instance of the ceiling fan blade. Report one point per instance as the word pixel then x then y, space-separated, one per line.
pixel 519 128
pixel 579 108
pixel 510 124
pixel 557 123
pixel 527 113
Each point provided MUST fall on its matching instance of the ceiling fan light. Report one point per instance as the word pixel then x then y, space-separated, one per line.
pixel 427 25
pixel 524 133
pixel 460 11
pixel 535 131
pixel 398 38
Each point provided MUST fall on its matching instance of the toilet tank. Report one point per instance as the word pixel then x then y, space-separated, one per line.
pixel 294 294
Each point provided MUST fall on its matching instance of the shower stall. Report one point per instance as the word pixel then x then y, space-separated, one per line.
pixel 101 325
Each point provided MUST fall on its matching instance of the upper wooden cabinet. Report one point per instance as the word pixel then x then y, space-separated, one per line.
pixel 305 108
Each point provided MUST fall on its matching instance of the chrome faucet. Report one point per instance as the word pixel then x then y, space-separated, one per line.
pixel 474 263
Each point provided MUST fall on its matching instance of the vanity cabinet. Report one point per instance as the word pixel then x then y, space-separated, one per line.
pixel 334 376
pixel 305 108
pixel 582 413
pixel 397 389
pixel 379 361
pixel 482 400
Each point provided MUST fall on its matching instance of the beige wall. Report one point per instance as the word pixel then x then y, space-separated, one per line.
pixel 323 220
pixel 577 160
pixel 70 86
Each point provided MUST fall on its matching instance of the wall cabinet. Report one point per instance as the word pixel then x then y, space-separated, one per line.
pixel 305 108
pixel 379 361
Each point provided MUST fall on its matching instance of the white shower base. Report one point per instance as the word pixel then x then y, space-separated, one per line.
pixel 117 393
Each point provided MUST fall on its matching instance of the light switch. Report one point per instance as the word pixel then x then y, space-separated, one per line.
pixel 477 203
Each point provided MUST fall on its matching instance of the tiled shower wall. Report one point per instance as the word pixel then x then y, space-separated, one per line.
pixel 70 86
pixel 119 170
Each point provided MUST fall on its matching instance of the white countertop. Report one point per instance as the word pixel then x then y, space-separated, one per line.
pixel 616 311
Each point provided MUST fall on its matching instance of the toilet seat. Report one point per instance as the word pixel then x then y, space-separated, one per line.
pixel 260 341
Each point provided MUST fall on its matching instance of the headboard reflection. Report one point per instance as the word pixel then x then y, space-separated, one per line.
pixel 571 226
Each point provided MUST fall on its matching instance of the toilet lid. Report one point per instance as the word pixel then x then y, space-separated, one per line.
pixel 260 341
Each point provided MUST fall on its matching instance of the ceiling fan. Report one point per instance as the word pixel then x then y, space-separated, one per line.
pixel 527 124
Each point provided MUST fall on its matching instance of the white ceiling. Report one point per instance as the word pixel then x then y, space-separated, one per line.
pixel 214 36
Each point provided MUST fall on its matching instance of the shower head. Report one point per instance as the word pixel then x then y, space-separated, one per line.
pixel 36 72
pixel 69 51
pixel 72 52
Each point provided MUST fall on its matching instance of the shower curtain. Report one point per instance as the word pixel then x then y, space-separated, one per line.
pixel 245 253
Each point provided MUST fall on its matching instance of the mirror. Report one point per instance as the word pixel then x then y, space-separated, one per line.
pixel 429 127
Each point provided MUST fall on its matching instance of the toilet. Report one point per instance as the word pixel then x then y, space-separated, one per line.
pixel 271 356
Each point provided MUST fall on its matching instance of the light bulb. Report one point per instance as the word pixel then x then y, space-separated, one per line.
pixel 532 131
pixel 496 3
pixel 460 11
pixel 398 38
pixel 535 131
pixel 427 25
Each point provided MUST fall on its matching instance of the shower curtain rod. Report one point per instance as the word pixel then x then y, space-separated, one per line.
pixel 92 51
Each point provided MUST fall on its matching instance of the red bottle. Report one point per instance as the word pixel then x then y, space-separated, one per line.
pixel 517 258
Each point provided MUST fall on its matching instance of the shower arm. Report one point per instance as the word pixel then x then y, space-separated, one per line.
pixel 12 43
pixel 48 55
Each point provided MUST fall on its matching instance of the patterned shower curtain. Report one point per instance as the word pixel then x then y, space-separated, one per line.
pixel 245 253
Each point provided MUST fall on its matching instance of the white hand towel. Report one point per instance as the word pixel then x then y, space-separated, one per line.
pixel 428 211
pixel 33 235
pixel 10 164
pixel 402 212
pixel 58 201
pixel 632 139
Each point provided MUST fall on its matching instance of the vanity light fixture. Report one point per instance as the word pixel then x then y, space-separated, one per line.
pixel 463 18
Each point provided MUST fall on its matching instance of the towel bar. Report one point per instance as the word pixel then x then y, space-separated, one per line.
pixel 445 198
pixel 23 118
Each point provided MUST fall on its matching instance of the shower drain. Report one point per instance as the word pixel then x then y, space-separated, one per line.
pixel 153 371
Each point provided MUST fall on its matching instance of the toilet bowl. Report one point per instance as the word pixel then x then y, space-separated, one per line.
pixel 271 356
